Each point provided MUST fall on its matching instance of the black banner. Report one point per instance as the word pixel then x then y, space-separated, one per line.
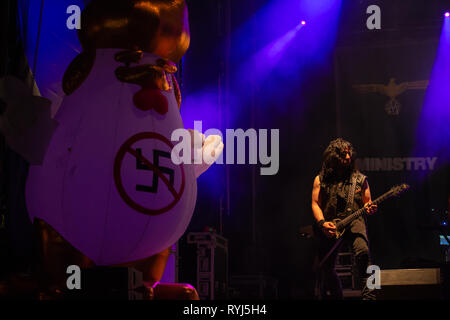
pixel 380 95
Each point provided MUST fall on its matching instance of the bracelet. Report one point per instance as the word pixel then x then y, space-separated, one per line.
pixel 320 223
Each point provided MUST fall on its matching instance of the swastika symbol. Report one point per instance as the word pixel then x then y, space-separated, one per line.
pixel 160 172
pixel 142 166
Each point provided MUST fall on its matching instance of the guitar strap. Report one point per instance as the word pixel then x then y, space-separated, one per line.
pixel 351 194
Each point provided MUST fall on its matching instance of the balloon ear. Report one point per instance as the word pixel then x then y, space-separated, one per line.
pixel 77 71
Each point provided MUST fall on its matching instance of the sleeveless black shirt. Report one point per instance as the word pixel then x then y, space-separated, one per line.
pixel 333 198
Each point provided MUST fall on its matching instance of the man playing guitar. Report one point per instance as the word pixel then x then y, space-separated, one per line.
pixel 338 190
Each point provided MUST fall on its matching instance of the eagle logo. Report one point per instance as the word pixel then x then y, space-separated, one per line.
pixel 392 90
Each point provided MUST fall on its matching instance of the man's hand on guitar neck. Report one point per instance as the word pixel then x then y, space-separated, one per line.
pixel 329 229
pixel 370 208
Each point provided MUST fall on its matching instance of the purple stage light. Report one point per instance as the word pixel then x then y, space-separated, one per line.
pixel 447 14
pixel 304 22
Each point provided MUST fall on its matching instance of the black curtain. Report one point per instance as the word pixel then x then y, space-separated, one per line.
pixel 16 231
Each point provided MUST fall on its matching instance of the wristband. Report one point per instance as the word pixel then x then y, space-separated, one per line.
pixel 320 223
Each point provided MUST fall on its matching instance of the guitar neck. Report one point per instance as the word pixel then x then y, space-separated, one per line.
pixel 346 221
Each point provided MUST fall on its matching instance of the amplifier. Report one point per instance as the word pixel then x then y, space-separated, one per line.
pixel 404 284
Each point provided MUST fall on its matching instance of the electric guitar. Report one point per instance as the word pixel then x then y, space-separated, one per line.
pixel 342 224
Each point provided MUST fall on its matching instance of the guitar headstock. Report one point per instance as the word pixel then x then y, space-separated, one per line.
pixel 398 190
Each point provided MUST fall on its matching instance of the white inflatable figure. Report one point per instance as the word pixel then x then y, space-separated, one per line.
pixel 107 183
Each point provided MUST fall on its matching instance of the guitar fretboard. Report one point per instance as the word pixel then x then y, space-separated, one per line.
pixel 346 221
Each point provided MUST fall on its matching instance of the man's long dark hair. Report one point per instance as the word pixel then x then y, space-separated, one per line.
pixel 332 163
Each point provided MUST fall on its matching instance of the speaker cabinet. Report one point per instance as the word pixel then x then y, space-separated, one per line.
pixel 406 284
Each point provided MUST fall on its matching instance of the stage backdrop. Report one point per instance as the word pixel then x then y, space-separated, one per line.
pixel 380 91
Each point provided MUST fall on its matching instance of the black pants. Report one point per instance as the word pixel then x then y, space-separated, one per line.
pixel 330 284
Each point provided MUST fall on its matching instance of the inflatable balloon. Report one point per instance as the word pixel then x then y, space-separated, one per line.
pixel 107 183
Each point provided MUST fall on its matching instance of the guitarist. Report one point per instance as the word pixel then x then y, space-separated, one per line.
pixel 339 190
